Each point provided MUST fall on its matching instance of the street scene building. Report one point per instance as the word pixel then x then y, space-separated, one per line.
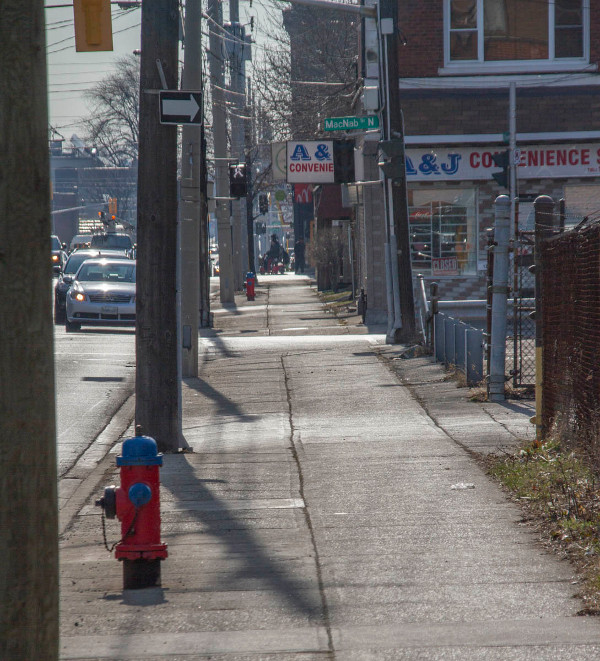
pixel 457 65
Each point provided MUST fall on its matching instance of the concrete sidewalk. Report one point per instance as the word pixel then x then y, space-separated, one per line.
pixel 331 508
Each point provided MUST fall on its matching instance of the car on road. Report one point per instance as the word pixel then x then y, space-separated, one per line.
pixel 59 255
pixel 102 294
pixel 112 240
pixel 67 275
pixel 80 241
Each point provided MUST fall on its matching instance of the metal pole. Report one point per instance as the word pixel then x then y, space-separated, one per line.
pixel 544 222
pixel 499 299
pixel 351 255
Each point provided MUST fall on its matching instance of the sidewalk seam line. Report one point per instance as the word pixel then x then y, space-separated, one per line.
pixel 307 517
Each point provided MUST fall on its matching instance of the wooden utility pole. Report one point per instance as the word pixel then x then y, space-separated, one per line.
pixel 190 219
pixel 28 495
pixel 215 61
pixel 398 200
pixel 157 391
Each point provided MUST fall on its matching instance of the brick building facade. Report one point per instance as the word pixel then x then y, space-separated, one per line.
pixel 460 59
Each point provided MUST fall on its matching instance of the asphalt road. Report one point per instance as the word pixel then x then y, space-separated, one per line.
pixel 95 374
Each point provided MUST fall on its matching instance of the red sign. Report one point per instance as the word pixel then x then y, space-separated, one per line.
pixel 303 193
pixel 444 266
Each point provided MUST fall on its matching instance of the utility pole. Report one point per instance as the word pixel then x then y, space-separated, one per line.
pixel 157 383
pixel 28 493
pixel 205 266
pixel 250 197
pixel 192 168
pixel 400 268
pixel 236 86
pixel 216 59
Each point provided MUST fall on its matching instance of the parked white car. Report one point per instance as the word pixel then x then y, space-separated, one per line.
pixel 102 294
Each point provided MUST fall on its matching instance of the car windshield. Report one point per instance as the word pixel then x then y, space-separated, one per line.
pixel 74 262
pixel 55 243
pixel 111 241
pixel 106 272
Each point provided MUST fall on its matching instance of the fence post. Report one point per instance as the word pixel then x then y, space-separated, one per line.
pixel 460 346
pixel 439 327
pixel 474 349
pixel 496 377
pixel 544 224
pixel 449 331
pixel 433 310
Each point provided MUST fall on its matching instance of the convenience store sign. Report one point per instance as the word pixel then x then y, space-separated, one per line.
pixel 534 162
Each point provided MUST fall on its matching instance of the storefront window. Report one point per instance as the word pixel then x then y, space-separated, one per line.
pixel 443 231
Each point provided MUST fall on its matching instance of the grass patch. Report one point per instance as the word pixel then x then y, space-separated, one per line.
pixel 338 302
pixel 561 494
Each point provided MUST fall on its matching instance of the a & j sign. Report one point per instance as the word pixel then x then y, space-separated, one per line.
pixel 534 162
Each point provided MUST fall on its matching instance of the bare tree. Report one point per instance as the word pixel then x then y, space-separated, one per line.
pixel 327 254
pixel 308 71
pixel 113 123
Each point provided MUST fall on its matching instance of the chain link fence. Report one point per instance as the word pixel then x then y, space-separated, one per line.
pixel 570 276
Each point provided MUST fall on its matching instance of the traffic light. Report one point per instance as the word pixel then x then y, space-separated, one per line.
pixel 112 206
pixel 343 161
pixel 392 159
pixel 237 180
pixel 263 203
pixel 93 25
pixel 501 160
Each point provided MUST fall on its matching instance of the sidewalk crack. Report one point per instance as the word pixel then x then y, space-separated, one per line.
pixel 307 517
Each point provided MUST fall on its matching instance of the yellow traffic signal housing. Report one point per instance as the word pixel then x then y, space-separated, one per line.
pixel 93 25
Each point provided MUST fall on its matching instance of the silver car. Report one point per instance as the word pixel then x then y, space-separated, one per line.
pixel 102 294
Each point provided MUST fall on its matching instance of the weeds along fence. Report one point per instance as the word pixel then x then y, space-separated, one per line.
pixel 570 293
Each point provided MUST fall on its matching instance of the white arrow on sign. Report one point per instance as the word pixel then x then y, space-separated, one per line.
pixel 180 107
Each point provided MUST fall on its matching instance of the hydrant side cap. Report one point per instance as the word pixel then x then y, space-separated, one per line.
pixel 139 451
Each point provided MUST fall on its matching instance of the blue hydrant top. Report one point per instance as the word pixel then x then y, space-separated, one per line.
pixel 139 451
pixel 250 275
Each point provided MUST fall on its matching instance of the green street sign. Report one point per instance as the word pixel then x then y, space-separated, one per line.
pixel 347 123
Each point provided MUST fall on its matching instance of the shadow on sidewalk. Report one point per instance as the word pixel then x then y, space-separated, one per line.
pixel 221 522
pixel 226 405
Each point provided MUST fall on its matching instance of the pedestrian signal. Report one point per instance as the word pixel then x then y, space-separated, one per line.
pixel 343 161
pixel 237 180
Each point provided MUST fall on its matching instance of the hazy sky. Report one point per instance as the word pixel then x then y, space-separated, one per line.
pixel 70 73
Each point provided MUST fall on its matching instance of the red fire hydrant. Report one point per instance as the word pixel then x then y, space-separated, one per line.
pixel 250 283
pixel 136 503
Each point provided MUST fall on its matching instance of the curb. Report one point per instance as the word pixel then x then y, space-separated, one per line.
pixel 83 478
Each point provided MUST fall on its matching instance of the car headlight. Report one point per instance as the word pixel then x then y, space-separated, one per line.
pixel 77 295
pixel 55 258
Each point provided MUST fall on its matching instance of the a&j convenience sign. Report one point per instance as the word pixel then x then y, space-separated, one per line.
pixel 533 162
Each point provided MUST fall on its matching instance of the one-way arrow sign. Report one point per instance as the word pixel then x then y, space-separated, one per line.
pixel 180 107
